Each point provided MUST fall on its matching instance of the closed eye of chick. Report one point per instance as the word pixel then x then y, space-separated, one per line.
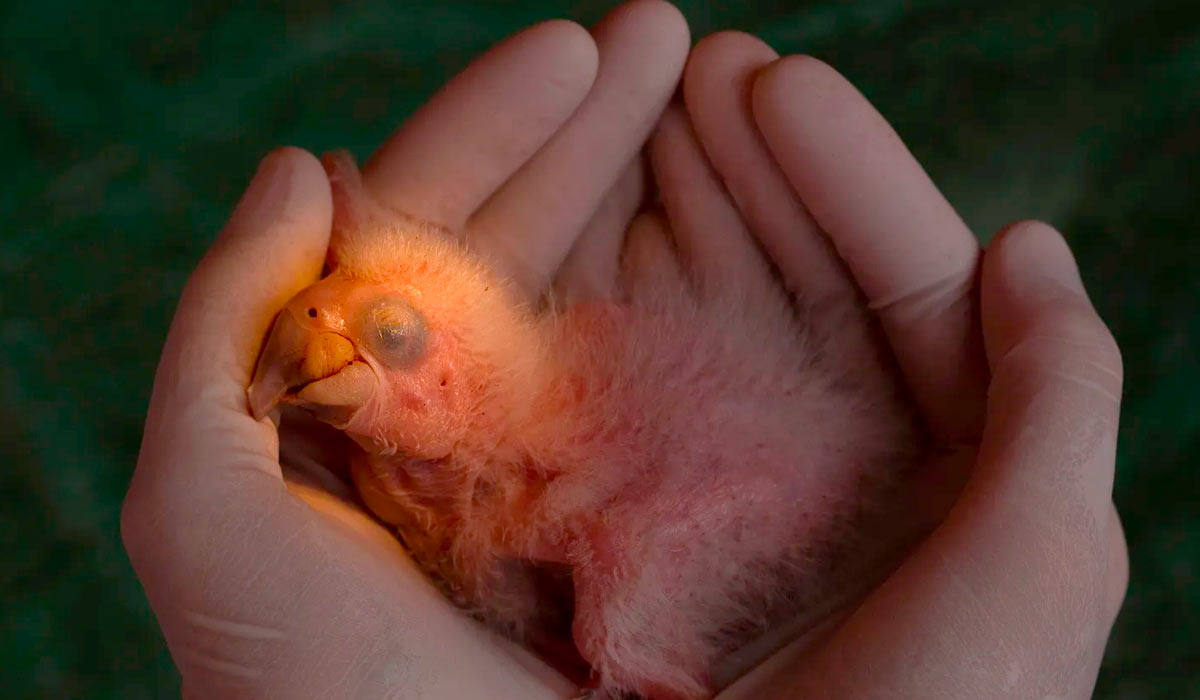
pixel 653 484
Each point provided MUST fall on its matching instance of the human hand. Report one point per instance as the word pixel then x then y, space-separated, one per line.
pixel 267 584
pixel 1016 379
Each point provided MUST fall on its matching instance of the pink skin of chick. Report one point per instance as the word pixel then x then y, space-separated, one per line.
pixel 700 464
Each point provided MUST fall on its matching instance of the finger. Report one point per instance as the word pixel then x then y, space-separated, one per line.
pixel 716 89
pixel 648 262
pixel 1018 570
pixel 590 271
pixel 198 405
pixel 532 222
pixel 1039 325
pixel 710 236
pixel 206 469
pixel 457 149
pixel 908 250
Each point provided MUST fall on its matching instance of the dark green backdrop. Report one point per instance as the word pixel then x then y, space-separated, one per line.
pixel 128 132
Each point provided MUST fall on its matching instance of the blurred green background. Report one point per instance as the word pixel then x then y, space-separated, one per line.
pixel 129 131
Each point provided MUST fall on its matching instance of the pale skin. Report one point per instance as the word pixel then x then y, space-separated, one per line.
pixel 269 581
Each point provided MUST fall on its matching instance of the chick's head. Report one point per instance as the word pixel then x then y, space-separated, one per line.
pixel 411 344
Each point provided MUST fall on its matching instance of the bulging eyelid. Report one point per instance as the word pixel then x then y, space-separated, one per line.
pixel 395 331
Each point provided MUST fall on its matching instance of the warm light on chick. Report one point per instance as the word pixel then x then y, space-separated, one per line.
pixel 694 468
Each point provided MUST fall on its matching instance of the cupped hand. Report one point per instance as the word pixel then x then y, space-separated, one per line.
pixel 266 585
pixel 266 579
pixel 1013 374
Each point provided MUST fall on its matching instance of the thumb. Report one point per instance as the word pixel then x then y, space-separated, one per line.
pixel 203 458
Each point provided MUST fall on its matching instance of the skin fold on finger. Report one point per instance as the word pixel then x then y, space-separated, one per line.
pixel 648 261
pixel 530 225
pixel 591 270
pixel 716 88
pixel 457 149
pixel 1019 569
pixel 909 252
pixel 710 236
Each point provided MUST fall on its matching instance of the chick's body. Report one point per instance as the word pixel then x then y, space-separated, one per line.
pixel 699 464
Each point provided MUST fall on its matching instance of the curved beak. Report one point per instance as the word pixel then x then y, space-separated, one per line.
pixel 303 353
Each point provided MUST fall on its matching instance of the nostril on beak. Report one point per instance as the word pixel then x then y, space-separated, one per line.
pixel 312 312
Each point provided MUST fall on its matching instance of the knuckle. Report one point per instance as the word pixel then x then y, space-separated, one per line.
pixel 1070 344
pixel 950 291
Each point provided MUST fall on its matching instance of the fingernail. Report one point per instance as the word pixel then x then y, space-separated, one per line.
pixel 1038 257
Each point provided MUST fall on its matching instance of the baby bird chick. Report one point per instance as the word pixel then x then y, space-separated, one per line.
pixel 696 466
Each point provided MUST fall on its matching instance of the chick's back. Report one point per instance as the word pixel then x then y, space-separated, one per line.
pixel 725 472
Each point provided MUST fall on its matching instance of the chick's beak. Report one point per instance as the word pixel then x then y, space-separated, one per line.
pixel 303 363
